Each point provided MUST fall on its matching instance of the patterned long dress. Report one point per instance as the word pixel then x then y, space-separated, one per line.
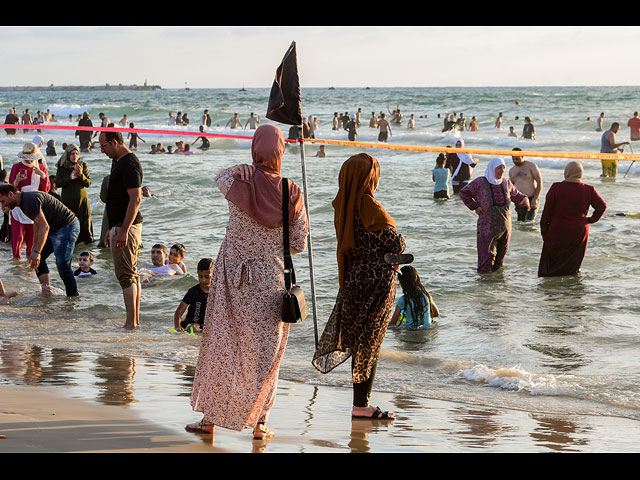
pixel 244 338
pixel 359 319
pixel 493 231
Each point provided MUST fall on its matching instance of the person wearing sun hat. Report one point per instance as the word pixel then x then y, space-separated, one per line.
pixel 27 175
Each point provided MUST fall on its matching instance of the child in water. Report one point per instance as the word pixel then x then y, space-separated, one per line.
pixel 159 265
pixel 416 302
pixel 195 300
pixel 176 256
pixel 441 176
pixel 85 265
pixel 134 137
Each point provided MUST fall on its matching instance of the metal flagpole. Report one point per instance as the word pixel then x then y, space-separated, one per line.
pixel 309 244
pixel 631 162
pixel 285 106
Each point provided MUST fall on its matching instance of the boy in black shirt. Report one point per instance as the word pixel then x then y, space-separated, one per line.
pixel 195 300
pixel 85 265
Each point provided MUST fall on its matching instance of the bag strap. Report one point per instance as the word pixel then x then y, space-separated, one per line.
pixel 289 273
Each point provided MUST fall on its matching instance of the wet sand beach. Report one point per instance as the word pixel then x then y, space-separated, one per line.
pixel 124 405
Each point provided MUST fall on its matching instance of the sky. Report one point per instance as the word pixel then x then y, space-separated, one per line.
pixel 338 56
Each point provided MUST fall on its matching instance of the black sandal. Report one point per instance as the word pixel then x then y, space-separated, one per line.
pixel 398 258
pixel 376 415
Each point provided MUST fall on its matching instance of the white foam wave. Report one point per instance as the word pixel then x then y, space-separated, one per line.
pixel 514 379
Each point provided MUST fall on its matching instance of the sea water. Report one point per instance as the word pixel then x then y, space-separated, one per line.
pixel 569 345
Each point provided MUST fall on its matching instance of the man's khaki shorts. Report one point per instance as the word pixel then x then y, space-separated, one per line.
pixel 125 260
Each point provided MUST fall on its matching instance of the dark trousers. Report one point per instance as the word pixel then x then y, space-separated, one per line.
pixel 362 391
pixel 4 230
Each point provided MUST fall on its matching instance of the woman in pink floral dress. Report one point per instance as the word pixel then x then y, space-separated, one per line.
pixel 244 338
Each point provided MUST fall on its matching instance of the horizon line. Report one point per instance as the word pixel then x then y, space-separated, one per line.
pixel 150 86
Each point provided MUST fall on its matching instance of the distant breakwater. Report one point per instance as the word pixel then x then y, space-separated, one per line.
pixel 80 88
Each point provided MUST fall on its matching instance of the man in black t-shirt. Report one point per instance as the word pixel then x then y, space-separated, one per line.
pixel 125 222
pixel 55 230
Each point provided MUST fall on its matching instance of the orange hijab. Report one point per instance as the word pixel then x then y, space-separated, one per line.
pixel 357 182
pixel 261 195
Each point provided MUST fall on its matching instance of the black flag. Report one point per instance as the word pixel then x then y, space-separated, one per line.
pixel 285 104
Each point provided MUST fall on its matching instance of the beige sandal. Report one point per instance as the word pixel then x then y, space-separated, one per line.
pixel 261 432
pixel 200 427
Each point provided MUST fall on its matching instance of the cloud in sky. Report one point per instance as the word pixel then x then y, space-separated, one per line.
pixel 375 56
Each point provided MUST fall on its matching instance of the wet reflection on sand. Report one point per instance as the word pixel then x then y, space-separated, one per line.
pixel 310 418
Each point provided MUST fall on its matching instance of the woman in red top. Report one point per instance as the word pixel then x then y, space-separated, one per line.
pixel 564 223
pixel 27 175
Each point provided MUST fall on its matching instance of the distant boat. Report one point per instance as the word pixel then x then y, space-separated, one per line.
pixel 242 89
pixel 331 88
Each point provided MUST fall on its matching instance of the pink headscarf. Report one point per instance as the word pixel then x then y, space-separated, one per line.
pixel 261 195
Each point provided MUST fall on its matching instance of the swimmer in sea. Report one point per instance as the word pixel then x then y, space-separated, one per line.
pixel 205 141
pixel 234 122
pixel 158 265
pixel 253 122
pixel 385 128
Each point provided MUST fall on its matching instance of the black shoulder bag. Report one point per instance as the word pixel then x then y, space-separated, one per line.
pixel 294 305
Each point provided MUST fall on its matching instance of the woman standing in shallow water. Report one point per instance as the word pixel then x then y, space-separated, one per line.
pixel 564 223
pixel 73 178
pixel 358 322
pixel 244 338
pixel 490 196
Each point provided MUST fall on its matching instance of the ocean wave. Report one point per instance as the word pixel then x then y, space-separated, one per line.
pixel 516 379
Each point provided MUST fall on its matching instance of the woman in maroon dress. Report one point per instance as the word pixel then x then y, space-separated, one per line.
pixel 564 224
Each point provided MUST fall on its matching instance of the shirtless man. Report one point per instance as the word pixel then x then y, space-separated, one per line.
pixel 383 125
pixel 104 123
pixel 526 177
pixel 373 122
pixel 234 122
pixel 253 122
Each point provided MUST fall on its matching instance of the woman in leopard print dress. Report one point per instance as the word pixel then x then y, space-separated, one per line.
pixel 358 323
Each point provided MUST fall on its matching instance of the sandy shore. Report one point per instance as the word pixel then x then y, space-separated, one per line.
pixel 305 419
